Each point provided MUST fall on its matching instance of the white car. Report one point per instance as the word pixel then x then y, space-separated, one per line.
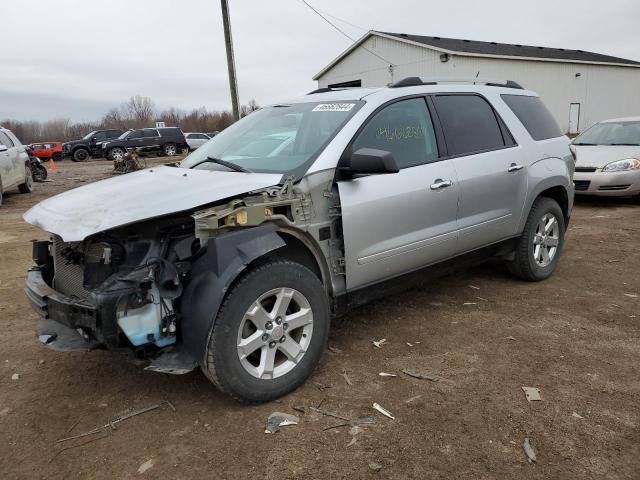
pixel 195 139
pixel 608 158
pixel 14 164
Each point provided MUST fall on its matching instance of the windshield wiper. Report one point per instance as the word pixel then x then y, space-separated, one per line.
pixel 581 143
pixel 629 144
pixel 224 163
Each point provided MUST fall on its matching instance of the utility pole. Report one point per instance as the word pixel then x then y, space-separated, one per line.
pixel 231 66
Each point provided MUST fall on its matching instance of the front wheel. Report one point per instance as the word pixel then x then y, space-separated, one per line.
pixel 80 155
pixel 269 334
pixel 540 245
pixel 169 150
pixel 116 154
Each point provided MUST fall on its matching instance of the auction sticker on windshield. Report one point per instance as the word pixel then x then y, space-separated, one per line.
pixel 333 107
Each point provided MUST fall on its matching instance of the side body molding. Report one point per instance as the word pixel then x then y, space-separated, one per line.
pixel 225 258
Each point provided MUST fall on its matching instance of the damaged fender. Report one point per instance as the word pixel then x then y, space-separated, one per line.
pixel 212 274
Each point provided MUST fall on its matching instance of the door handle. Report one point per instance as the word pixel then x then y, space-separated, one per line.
pixel 439 183
pixel 514 168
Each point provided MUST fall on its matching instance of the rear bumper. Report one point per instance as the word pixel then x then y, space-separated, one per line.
pixel 65 324
pixel 610 184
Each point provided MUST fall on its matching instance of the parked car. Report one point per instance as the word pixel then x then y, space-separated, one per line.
pixel 15 168
pixel 90 145
pixel 165 141
pixel 212 134
pixel 47 150
pixel 195 140
pixel 608 158
pixel 238 261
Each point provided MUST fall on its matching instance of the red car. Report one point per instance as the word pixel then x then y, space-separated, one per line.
pixel 47 150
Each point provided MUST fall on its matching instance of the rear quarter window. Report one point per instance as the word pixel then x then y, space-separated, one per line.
pixel 535 117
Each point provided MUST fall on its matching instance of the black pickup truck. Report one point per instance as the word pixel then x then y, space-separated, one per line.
pixel 90 145
pixel 167 141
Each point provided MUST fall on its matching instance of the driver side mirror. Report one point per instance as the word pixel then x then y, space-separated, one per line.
pixel 368 161
pixel 3 148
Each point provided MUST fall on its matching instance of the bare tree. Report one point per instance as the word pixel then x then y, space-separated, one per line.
pixel 141 110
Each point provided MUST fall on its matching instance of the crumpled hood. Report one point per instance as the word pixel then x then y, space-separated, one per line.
pixel 154 192
pixel 599 155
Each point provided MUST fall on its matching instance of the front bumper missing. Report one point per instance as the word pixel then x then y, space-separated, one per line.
pixel 63 320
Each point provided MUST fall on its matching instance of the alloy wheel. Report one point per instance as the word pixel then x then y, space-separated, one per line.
pixel 275 333
pixel 546 240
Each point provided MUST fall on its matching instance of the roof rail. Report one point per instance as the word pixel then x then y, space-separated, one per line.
pixel 414 81
pixel 321 90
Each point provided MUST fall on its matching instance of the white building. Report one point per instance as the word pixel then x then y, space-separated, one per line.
pixel 580 88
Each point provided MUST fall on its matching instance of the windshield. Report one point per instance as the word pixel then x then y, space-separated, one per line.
pixel 275 139
pixel 611 133
pixel 89 135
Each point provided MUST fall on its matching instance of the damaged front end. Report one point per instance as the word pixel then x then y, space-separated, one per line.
pixel 116 289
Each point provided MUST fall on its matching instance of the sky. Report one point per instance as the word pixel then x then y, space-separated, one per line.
pixel 78 58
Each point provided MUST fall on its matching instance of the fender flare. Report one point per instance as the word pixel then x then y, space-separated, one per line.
pixel 212 274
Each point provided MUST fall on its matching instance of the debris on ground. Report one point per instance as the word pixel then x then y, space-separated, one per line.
pixel 483 299
pixel 383 411
pixel 379 343
pixel 532 394
pixel 112 424
pixel 376 467
pixel 409 344
pixel 323 386
pixel 469 303
pixel 15 376
pixel 474 287
pixel 412 399
pixel 352 442
pixel 385 374
pixel 631 295
pixel 335 350
pixel 576 415
pixel 304 409
pixel 422 376
pixel 510 337
pixel 528 451
pixel 347 379
pixel 279 419
pixel 354 422
pixel 145 466
pixel 41 362
pixel 355 430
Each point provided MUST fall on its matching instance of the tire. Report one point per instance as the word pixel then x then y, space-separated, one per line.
pixel 57 157
pixel 169 150
pixel 40 173
pixel 80 155
pixel 1 192
pixel 27 186
pixel 246 379
pixel 533 264
pixel 116 153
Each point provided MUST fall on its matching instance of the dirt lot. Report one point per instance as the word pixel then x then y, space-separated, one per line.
pixel 482 335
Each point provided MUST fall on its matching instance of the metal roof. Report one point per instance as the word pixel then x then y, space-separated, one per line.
pixel 477 48
pixel 510 50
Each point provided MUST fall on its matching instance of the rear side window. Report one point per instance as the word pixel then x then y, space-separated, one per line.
pixel 470 124
pixel 534 116
pixel 5 140
pixel 151 133
pixel 113 133
pixel 403 128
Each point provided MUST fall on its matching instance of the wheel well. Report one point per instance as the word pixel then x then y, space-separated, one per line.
pixel 296 251
pixel 79 147
pixel 559 194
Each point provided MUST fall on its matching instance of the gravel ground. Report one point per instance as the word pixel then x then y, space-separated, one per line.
pixel 482 335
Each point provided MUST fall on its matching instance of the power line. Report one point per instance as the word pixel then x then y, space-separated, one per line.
pixel 343 20
pixel 304 2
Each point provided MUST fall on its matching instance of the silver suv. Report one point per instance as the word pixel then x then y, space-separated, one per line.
pixel 15 170
pixel 236 260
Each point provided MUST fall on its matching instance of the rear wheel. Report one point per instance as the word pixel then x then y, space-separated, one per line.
pixel 27 186
pixel 269 334
pixel 540 245
pixel 80 155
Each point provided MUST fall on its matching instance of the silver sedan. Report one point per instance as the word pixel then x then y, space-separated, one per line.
pixel 608 158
